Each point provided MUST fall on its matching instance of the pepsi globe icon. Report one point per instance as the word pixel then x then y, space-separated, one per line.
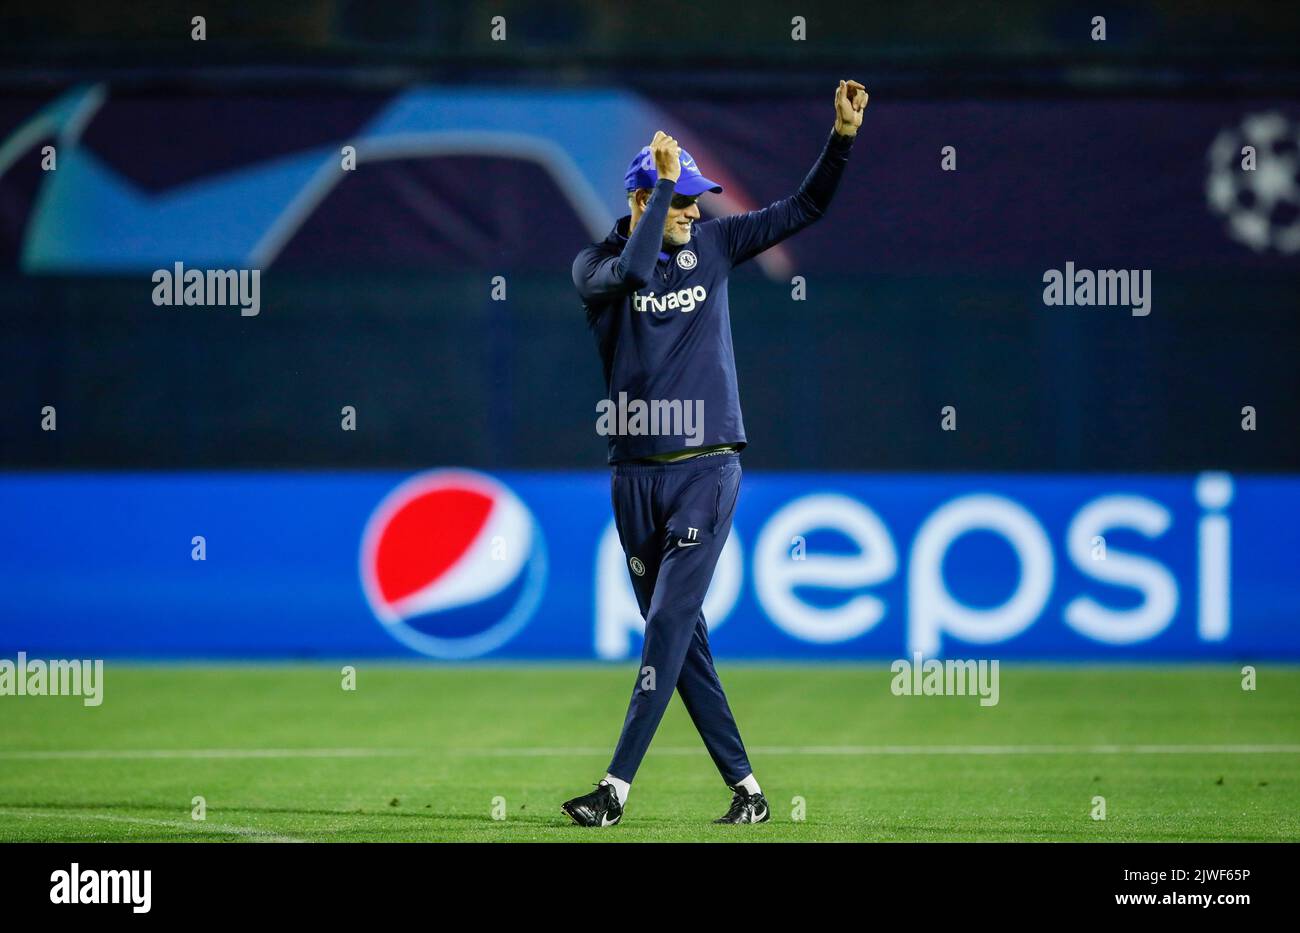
pixel 452 563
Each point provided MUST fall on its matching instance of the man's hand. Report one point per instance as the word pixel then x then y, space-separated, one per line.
pixel 668 155
pixel 850 101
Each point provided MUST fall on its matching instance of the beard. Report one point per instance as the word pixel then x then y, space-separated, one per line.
pixel 677 235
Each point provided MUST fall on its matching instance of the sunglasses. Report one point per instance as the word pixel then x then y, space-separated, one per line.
pixel 682 201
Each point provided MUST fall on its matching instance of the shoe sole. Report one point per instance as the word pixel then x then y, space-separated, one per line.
pixel 577 822
pixel 767 815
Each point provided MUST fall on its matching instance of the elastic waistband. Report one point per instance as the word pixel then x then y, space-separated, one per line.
pixel 702 462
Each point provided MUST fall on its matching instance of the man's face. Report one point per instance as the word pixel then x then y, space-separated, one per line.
pixel 682 213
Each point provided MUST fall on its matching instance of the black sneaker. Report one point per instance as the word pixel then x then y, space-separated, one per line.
pixel 599 808
pixel 746 808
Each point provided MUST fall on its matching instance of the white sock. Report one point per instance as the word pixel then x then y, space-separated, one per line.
pixel 750 785
pixel 621 787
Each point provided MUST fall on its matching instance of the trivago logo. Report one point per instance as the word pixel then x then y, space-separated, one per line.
pixel 452 563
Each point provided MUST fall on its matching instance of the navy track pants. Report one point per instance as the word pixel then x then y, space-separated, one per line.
pixel 673 520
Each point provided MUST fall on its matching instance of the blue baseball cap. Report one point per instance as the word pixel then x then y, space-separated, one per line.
pixel 641 174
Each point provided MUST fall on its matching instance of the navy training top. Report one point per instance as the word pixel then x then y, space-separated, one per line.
pixel 661 319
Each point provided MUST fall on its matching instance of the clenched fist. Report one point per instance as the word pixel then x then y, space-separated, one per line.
pixel 850 101
pixel 667 156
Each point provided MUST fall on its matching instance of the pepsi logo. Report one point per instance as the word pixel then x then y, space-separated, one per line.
pixel 452 563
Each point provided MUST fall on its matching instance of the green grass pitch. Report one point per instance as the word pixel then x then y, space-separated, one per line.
pixel 426 752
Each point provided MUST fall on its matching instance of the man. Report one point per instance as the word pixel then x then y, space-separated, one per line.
pixel 655 293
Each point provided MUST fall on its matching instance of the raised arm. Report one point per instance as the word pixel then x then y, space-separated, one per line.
pixel 599 276
pixel 747 235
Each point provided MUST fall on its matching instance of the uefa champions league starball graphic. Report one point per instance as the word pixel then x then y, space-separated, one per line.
pixel 1261 205
pixel 452 563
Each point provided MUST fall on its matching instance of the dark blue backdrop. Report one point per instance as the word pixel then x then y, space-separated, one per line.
pixel 923 287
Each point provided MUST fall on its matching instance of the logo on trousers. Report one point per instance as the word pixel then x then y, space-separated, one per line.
pixel 452 563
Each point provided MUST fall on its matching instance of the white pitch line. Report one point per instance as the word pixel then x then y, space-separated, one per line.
pixel 578 752
pixel 1030 750
pixel 115 753
pixel 257 835
pixel 869 750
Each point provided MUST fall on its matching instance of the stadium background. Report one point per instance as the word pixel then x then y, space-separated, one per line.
pixel 480 159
